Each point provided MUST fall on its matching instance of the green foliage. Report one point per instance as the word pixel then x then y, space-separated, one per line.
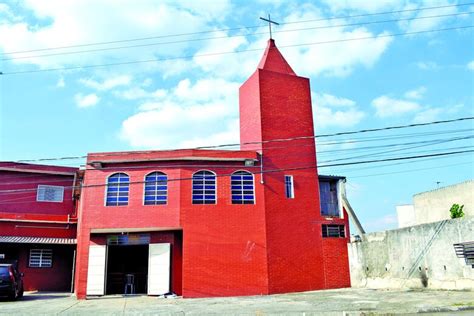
pixel 456 211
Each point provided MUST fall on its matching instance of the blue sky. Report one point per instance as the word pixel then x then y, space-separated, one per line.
pixel 187 102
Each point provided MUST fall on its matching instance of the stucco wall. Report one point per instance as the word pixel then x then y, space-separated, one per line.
pixel 413 257
pixel 434 205
pixel 406 215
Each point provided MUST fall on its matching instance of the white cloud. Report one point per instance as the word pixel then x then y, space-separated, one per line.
pixel 333 111
pixel 388 107
pixel 61 83
pixel 427 65
pixel 57 23
pixel 85 101
pixel 325 99
pixel 107 84
pixel 385 222
pixel 188 115
pixel 416 93
pixel 362 5
pixel 420 22
pixel 333 59
pixel 132 93
pixel 427 115
pixel 470 65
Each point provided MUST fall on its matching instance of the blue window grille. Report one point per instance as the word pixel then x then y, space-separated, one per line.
pixel 156 188
pixel 204 187
pixel 289 187
pixel 242 188
pixel 118 186
pixel 329 199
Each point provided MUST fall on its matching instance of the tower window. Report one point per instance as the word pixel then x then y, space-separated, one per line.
pixel 329 198
pixel 242 188
pixel 118 186
pixel 289 187
pixel 156 188
pixel 204 187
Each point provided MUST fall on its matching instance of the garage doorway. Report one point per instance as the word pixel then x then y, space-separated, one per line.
pixel 127 269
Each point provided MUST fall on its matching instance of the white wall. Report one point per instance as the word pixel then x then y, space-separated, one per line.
pixel 385 259
pixel 434 205
pixel 406 215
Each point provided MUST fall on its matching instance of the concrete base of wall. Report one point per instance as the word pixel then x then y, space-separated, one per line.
pixel 420 256
pixel 413 283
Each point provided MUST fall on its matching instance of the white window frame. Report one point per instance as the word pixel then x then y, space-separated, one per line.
pixel 144 188
pixel 107 190
pixel 44 186
pixel 192 185
pixel 45 258
pixel 253 190
pixel 289 181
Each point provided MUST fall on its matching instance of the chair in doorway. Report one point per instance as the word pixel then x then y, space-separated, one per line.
pixel 129 284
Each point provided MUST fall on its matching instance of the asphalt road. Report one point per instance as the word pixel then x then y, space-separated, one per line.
pixel 329 302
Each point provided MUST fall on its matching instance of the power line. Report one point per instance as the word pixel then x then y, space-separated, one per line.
pixel 319 154
pixel 411 170
pixel 382 153
pixel 230 36
pixel 18 200
pixel 362 131
pixel 230 52
pixel 237 28
pixel 274 170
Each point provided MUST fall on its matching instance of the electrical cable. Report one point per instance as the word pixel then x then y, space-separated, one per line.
pixel 155 60
pixel 394 127
pixel 231 36
pixel 239 28
pixel 280 169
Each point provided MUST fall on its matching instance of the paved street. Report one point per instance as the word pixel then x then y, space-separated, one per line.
pixel 330 302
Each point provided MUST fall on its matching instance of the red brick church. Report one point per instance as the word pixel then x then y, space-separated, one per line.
pixel 203 223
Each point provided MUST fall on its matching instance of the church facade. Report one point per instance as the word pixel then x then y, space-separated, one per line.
pixel 205 223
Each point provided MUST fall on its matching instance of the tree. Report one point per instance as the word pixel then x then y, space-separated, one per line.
pixel 456 211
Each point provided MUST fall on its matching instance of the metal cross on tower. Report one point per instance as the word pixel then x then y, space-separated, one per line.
pixel 269 24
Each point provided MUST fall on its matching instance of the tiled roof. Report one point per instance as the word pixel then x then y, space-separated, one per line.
pixel 37 240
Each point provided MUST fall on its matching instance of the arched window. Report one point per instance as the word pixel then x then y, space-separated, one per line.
pixel 118 186
pixel 204 187
pixel 156 188
pixel 242 188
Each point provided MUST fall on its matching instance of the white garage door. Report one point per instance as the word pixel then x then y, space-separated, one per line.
pixel 96 270
pixel 159 269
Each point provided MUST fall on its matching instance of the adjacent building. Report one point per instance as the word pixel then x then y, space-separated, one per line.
pixel 434 205
pixel 38 223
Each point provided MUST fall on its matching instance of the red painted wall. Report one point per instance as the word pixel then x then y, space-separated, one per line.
pixel 336 257
pixel 210 232
pixel 21 215
pixel 29 229
pixel 295 247
pixel 224 247
pixel 56 278
pixel 24 202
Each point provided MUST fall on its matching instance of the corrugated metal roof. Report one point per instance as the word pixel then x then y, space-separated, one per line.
pixel 37 240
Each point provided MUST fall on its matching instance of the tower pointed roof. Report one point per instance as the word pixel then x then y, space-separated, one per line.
pixel 273 60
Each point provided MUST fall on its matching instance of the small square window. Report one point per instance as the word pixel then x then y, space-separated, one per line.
pixel 41 258
pixel 337 231
pixel 50 193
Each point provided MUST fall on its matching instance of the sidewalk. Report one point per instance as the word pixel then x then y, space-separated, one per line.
pixel 329 302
